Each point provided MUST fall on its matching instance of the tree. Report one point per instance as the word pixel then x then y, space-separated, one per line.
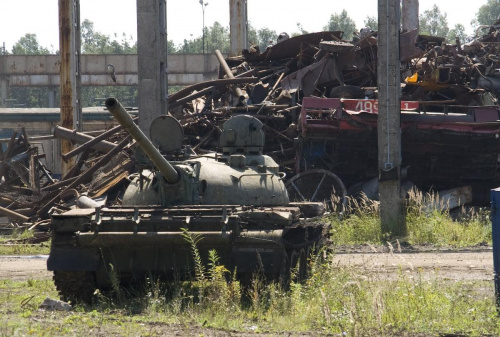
pixel 28 45
pixel 266 37
pixel 216 37
pixel 458 31
pixel 301 29
pixel 94 42
pixel 433 22
pixel 29 97
pixel 341 22
pixel 261 37
pixel 372 22
pixel 487 14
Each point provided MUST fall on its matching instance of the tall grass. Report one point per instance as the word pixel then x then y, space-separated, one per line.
pixel 427 220
pixel 9 244
pixel 333 300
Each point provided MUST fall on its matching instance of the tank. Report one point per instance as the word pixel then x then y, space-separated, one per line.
pixel 234 202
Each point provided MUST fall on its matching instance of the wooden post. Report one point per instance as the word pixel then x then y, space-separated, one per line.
pixel 70 79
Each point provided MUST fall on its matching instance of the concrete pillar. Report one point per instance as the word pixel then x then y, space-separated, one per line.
pixel 409 18
pixel 389 119
pixel 152 60
pixel 238 36
pixel 4 91
pixel 52 97
pixel 70 79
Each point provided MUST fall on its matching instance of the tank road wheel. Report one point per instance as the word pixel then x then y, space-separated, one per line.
pixel 285 272
pixel 317 185
pixel 75 286
pixel 294 265
pixel 302 272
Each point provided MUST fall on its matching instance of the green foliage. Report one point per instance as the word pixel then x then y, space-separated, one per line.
pixel 95 96
pixel 13 244
pixel 342 22
pixel 361 223
pixel 23 97
pixel 261 37
pixel 266 37
pixel 372 22
pixel 94 42
pixel 301 30
pixel 427 224
pixel 28 45
pixel 433 22
pixel 487 14
pixel 457 32
pixel 193 240
pixel 332 301
pixel 216 37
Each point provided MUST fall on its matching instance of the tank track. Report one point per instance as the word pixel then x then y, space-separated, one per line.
pixel 75 286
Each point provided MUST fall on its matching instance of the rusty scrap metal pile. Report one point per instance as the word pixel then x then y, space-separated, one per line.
pixel 448 92
pixel 29 194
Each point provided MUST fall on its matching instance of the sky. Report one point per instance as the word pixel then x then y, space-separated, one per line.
pixel 184 17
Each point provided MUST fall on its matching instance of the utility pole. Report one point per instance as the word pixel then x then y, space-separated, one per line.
pixel 152 61
pixel 389 119
pixel 238 27
pixel 70 76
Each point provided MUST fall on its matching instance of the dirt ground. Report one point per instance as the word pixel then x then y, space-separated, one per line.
pixel 452 265
pixel 461 265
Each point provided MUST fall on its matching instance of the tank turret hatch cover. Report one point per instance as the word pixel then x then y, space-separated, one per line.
pixel 166 133
pixel 242 134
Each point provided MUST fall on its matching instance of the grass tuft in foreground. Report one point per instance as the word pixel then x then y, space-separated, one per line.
pixel 10 244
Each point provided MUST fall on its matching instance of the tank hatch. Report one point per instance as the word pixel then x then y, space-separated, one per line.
pixel 242 135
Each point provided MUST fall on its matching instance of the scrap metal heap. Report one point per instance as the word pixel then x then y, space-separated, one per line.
pixel 316 95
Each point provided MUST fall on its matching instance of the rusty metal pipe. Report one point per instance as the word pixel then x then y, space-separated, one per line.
pixel 229 73
pixel 92 142
pixel 166 169
pixel 81 138
pixel 13 215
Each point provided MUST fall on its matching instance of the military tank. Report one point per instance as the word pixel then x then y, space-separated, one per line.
pixel 235 202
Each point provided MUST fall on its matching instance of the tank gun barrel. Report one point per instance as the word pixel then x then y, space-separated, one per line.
pixel 166 169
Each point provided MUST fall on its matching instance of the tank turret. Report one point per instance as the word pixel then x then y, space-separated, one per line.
pixel 241 173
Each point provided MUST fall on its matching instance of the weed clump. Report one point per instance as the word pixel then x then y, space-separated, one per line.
pixel 427 217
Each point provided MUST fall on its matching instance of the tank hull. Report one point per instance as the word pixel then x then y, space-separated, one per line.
pixel 129 244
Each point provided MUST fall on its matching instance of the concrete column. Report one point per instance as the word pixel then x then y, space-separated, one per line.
pixel 70 79
pixel 4 91
pixel 52 97
pixel 389 119
pixel 409 18
pixel 152 60
pixel 238 36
